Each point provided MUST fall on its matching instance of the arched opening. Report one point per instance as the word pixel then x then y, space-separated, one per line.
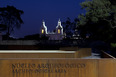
pixel 58 31
pixel 42 31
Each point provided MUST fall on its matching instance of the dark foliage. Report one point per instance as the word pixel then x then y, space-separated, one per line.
pixel 10 17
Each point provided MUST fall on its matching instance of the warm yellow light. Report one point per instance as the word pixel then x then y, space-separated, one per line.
pixel 59 31
pixel 42 31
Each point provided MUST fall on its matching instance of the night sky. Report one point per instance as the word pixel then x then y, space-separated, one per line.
pixel 37 10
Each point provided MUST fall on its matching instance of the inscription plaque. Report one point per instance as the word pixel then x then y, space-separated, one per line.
pixel 44 68
pixel 57 68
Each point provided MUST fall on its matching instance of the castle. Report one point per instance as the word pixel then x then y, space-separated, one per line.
pixel 57 35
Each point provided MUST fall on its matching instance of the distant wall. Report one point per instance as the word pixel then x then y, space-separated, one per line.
pixel 18 42
pixel 0 36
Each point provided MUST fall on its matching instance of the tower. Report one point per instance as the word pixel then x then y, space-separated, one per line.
pixel 59 28
pixel 43 28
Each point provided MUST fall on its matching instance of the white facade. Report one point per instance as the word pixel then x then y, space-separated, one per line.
pixel 57 35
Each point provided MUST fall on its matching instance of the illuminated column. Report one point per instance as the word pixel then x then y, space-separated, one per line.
pixel 43 28
pixel 59 28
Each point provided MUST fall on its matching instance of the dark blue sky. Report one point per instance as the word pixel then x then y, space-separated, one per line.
pixel 37 10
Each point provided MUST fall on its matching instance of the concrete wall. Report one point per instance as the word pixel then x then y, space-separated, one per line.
pixel 36 55
pixel 84 52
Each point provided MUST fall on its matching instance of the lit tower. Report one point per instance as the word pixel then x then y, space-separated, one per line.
pixel 43 28
pixel 59 28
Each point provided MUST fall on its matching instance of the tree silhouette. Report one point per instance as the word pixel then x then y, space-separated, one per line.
pixel 99 19
pixel 68 28
pixel 113 2
pixel 2 27
pixel 11 18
